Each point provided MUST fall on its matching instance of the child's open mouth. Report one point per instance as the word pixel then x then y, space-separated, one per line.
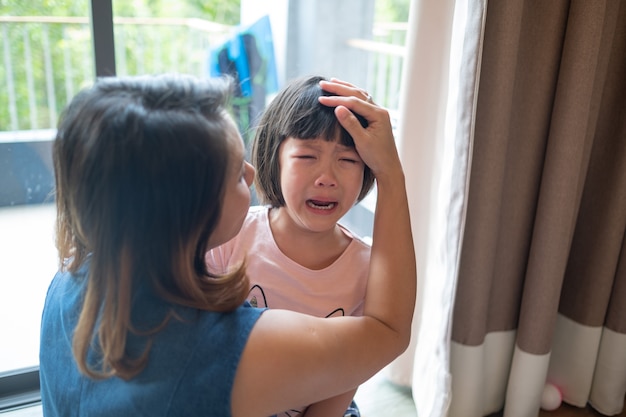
pixel 321 205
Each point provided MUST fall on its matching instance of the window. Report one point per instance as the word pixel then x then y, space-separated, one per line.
pixel 48 55
pixel 44 63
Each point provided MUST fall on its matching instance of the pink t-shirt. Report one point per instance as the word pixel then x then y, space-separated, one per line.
pixel 279 282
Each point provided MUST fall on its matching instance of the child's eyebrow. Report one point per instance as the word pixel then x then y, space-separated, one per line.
pixel 345 148
pixel 310 144
pixel 315 145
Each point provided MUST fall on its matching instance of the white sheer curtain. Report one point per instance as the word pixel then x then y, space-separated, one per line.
pixel 436 113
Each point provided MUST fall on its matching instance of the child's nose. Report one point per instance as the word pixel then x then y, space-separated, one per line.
pixel 326 177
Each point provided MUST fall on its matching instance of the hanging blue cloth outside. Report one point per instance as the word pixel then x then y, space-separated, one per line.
pixel 248 56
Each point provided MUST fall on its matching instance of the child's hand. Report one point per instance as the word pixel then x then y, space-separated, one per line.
pixel 375 143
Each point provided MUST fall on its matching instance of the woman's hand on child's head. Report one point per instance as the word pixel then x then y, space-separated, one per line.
pixel 375 143
pixel 344 88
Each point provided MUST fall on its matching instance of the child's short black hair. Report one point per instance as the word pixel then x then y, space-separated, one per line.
pixel 296 112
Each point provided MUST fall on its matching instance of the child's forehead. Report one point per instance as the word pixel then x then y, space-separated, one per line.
pixel 319 141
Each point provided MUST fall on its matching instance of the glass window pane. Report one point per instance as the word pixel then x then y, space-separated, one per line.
pixel 169 35
pixel 46 57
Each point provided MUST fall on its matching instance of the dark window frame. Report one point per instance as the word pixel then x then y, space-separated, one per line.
pixel 19 388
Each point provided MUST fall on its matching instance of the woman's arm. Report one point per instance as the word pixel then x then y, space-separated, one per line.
pixel 293 359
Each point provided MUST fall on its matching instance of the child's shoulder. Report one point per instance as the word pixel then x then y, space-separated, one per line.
pixel 358 240
pixel 257 215
pixel 258 209
pixel 258 212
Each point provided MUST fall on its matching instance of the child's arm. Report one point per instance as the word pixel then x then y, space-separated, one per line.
pixel 331 407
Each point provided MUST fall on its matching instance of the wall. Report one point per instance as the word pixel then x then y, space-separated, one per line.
pixel 310 36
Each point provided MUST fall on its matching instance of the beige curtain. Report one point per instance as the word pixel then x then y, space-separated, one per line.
pixel 521 208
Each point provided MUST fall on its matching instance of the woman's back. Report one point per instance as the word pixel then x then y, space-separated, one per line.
pixel 182 376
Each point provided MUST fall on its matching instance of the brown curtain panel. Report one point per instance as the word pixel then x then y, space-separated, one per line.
pixel 541 288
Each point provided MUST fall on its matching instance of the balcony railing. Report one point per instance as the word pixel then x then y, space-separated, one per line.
pixel 386 52
pixel 46 60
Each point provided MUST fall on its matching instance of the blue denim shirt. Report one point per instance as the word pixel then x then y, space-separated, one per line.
pixel 191 367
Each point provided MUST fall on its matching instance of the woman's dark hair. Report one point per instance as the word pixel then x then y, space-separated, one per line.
pixel 140 165
pixel 296 112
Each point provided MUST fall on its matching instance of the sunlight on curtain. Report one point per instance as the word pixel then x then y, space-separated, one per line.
pixel 436 121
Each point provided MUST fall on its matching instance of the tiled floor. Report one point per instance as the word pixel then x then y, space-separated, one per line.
pixel 380 398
